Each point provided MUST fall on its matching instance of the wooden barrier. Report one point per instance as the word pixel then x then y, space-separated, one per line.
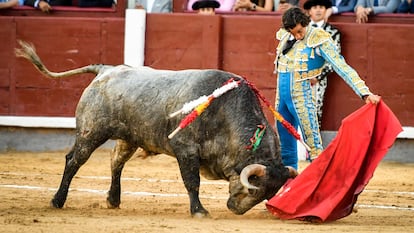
pixel 244 44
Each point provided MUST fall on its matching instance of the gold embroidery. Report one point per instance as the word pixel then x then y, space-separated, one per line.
pixel 348 74
pixel 316 37
pixel 281 34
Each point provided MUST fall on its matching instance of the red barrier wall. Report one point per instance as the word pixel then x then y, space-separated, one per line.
pixel 243 44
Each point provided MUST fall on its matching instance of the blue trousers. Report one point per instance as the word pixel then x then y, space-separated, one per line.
pixel 404 7
pixel 295 103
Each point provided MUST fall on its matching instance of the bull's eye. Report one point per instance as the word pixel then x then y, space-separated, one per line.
pixel 252 192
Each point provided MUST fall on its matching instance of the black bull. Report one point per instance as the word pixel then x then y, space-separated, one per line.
pixel 132 105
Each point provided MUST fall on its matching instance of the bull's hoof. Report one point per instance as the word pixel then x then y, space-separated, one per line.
pixel 56 204
pixel 112 205
pixel 201 215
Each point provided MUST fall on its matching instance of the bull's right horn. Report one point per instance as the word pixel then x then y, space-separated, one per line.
pixel 249 170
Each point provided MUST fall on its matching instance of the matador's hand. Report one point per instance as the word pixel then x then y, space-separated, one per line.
pixel 374 99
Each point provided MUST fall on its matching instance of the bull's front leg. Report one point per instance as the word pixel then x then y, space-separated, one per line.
pixel 190 173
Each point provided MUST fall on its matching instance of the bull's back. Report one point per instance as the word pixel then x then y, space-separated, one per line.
pixel 160 91
pixel 134 103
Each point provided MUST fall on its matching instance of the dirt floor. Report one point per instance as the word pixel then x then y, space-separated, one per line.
pixel 154 200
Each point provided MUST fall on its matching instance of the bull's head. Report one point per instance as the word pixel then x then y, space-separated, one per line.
pixel 255 184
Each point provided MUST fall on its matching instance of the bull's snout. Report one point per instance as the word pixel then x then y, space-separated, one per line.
pixel 231 205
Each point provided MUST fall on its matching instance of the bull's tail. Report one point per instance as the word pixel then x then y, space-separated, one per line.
pixel 28 51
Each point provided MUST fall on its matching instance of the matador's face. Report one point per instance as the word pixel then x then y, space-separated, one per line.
pixel 298 32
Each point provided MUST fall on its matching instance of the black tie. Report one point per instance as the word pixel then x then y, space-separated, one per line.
pixel 314 25
pixel 288 46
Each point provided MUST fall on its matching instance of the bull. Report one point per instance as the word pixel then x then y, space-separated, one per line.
pixel 132 105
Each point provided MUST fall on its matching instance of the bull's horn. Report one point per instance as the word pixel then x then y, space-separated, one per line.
pixel 252 169
pixel 292 172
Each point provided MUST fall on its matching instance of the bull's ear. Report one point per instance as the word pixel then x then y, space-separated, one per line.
pixel 239 167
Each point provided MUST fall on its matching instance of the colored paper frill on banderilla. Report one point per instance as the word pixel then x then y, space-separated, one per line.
pixel 328 188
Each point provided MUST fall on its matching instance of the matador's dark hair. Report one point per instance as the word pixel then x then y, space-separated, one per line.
pixel 294 16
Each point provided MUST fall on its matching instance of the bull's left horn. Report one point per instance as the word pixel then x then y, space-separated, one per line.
pixel 252 169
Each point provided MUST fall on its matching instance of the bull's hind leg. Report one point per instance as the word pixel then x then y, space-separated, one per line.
pixel 79 154
pixel 121 153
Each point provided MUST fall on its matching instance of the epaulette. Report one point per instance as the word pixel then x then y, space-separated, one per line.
pixel 281 34
pixel 317 37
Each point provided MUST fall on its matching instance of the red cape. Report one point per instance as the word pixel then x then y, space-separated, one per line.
pixel 329 187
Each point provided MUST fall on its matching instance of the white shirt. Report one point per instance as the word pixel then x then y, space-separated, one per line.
pixel 335 7
pixel 150 3
pixel 320 23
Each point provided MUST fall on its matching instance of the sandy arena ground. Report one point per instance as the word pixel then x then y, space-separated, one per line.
pixel 154 200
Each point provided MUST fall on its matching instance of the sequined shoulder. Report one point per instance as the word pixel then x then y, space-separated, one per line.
pixel 281 34
pixel 317 37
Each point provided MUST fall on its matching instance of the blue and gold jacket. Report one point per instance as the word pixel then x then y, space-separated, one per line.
pixel 307 57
